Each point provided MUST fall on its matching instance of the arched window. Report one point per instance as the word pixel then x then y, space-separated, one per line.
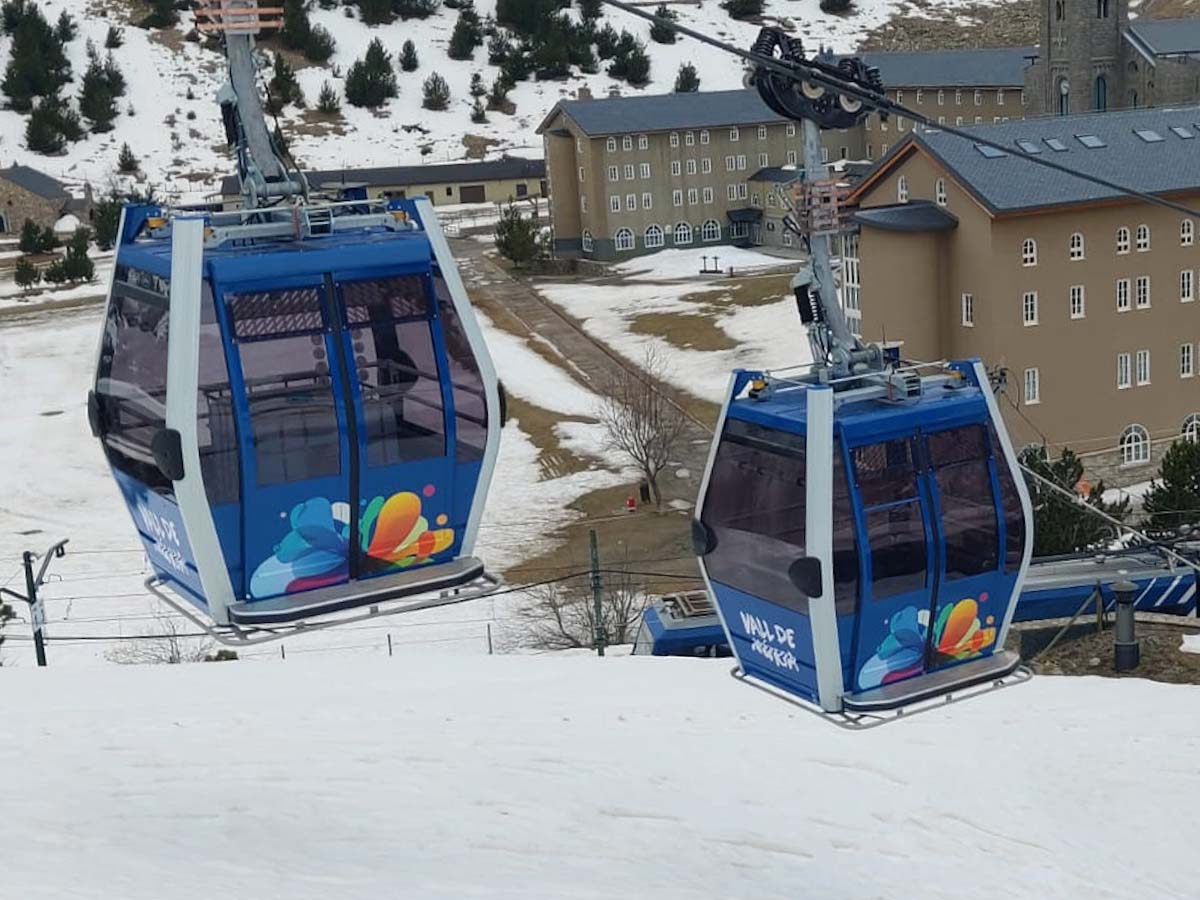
pixel 588 243
pixel 711 231
pixel 1101 9
pixel 1101 98
pixel 1064 97
pixel 3 224
pixel 653 237
pixel 1135 446
pixel 1122 240
pixel 1076 246
pixel 682 234
pixel 1187 233
pixel 624 240
pixel 902 189
pixel 1143 238
pixel 939 191
pixel 1029 252
pixel 1191 428
pixel 1060 10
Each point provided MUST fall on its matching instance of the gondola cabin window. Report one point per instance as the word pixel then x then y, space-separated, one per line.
pixel 466 381
pixel 887 482
pixel 970 528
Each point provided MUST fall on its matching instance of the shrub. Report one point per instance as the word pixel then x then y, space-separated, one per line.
pixel 436 93
pixel 371 82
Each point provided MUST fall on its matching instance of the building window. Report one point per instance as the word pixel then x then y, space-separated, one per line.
pixel 624 239
pixel 1142 292
pixel 941 120
pixel 733 134
pixel 979 120
pixel 1187 366
pixel 709 196
pixel 581 175
pixel 653 238
pixel 741 162
pixel 693 196
pixel 677 198
pixel 824 154
pixel 643 142
pixel 1143 238
pixel 958 97
pixel 689 139
pixel 1142 366
pixel 674 138
pixel 583 202
pixel 899 123
pixel 731 163
pixel 629 170
pixel 1100 93
pixel 1123 378
pixel 771 199
pixel 899 96
pixel 1033 387
pixel 958 120
pixel 941 100
pixel 791 157
pixel 644 170
pixel 588 243
pixel 1122 294
pixel 1101 9
pixel 1076 248
pixel 738 230
pixel 631 201
pixel 731 191
pixel 706 165
pixel 1122 240
pixel 939 191
pixel 902 189
pixel 611 145
pixel 1187 233
pixel 755 200
pixel 1029 308
pixel 979 98
pixel 852 280
pixel 968 310
pixel 1186 286
pixel 742 189
pixel 764 160
pixel 1191 428
pixel 883 149
pixel 1135 446
pixel 787 242
pixel 710 231
pixel 1000 98
pixel 691 167
pixel 682 234
pixel 614 203
pixel 1078 309
pixel 704 136
pixel 791 129
pixel 844 153
pixel 762 132
pixel 1029 252
pixel 676 168
pixel 613 173
pixel 627 142
pixel 647 200
pixel 920 97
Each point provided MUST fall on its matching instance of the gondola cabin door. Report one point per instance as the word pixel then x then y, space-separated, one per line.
pixel 344 447
pixel 936 582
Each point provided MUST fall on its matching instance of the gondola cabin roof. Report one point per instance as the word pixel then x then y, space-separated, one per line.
pixel 945 403
pixel 263 259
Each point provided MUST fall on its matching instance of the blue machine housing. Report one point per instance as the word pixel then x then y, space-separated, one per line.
pixel 919 558
pixel 344 417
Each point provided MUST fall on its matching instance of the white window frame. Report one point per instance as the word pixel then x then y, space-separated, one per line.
pixel 1187 360
pixel 743 188
pixel 762 132
pixel 1075 250
pixel 693 196
pixel 627 142
pixel 676 168
pixel 690 166
pixel 630 202
pixel 1143 238
pixel 647 200
pixel 587 243
pixel 706 165
pixel 582 175
pixel 979 98
pixel 902 189
pixel 583 203
pixel 1029 309
pixel 1187 286
pixel 614 173
pixel 617 240
pixel 731 191
pixel 730 163
pixel 689 139
pixel 629 171
pixel 653 233
pixel 710 231
pixel 677 197
pixel 1124 371
pixel 1078 301
pixel 709 196
pixel 1141 292
pixel 1122 240
pixel 682 228
pixel 1134 446
pixel 1141 368
pixel 1191 428
pixel 1029 252
pixel 790 131
pixel 734 135
pixel 764 160
pixel 958 97
pixel 791 157
pixel 643 142
pixel 920 97
pixel 939 191
pixel 614 203
pixel 644 170
pixel 611 145
pixel 941 97
pixel 1033 387
pixel 1187 233
pixel 1000 97
pixel 968 310
pixel 741 162
pixel 1124 303
pixel 704 136
pixel 674 139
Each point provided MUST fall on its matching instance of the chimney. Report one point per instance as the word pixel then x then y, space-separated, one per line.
pixel 584 93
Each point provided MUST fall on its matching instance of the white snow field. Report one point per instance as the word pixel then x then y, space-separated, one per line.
pixel 570 777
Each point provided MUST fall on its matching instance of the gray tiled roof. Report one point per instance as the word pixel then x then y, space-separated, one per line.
pixel 510 167
pixel 919 215
pixel 993 67
pixel 1009 183
pixel 664 112
pixel 1163 37
pixel 35 182
pixel 777 174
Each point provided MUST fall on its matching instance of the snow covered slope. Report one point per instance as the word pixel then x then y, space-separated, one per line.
pixel 531 778
pixel 184 156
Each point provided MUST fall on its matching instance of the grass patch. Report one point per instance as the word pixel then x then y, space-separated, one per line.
pixel 554 460
pixel 688 331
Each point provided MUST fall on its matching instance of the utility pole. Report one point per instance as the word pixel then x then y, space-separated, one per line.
pixel 37 611
pixel 597 594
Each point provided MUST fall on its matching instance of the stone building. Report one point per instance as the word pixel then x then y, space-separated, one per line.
pixel 1085 296
pixel 493 181
pixel 1093 58
pixel 26 193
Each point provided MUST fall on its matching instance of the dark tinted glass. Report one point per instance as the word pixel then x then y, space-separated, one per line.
pixel 1010 506
pixel 970 529
pixel 131 383
pixel 397 369
pixel 885 471
pixel 898 558
pixel 845 546
pixel 215 430
pixel 470 402
pixel 288 386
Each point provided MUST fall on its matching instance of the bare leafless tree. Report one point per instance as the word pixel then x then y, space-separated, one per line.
pixel 562 616
pixel 6 613
pixel 169 643
pixel 639 419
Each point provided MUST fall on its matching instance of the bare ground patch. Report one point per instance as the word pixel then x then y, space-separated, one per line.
pixel 688 331
pixel 1090 652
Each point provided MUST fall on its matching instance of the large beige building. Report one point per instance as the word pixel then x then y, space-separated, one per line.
pixel 1083 295
pixel 632 175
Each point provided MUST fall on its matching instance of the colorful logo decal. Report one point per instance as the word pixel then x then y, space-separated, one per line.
pixel 957 635
pixel 315 552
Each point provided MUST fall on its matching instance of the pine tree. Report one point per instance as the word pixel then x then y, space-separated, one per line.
pixel 37 65
pixel 320 45
pixel 283 87
pixel 371 81
pixel 415 9
pixel 637 67
pixel 127 163
pixel 660 33
pixel 606 41
pixel 296 28
pixel 114 76
pixel 835 6
pixel 479 112
pixel 76 263
pixel 31 237
pixel 743 9
pixel 26 275
pixel 498 96
pixel 436 93
pixel 328 101
pixel 687 81
pixel 517 236
pixel 115 37
pixel 107 220
pixel 375 12
pixel 66 28
pixel 1060 525
pixel 499 47
pixel 1174 497
pixel 408 57
pixel 478 88
pixel 51 125
pixel 462 41
pixel 11 14
pixel 97 102
pixel 591 10
pixel 162 14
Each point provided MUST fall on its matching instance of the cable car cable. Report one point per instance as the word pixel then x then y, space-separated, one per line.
pixel 879 102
